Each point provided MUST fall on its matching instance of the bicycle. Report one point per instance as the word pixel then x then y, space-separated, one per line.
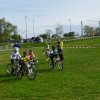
pixel 29 71
pixel 11 69
pixel 57 62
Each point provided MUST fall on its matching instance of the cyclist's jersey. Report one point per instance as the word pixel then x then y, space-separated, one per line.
pixel 60 45
pixel 25 58
pixel 53 52
pixel 16 47
pixel 30 56
pixel 15 55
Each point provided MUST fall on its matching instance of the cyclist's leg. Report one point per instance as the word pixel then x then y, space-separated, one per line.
pixel 61 57
pixel 18 65
pixel 12 65
pixel 12 62
pixel 21 64
pixel 60 53
pixel 52 61
pixel 27 66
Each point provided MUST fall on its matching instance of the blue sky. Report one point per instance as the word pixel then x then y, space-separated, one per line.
pixel 48 13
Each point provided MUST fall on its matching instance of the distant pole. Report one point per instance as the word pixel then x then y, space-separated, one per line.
pixel 26 25
pixel 33 29
pixel 81 28
pixel 70 25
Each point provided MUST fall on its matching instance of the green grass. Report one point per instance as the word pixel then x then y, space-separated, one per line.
pixel 79 80
pixel 84 42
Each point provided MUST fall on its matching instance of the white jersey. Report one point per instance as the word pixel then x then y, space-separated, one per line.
pixel 16 48
pixel 15 55
pixel 53 52
pixel 48 47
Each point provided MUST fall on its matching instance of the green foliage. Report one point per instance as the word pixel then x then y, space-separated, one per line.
pixel 44 36
pixel 90 31
pixel 66 35
pixel 7 30
pixel 70 34
pixel 97 32
pixel 16 37
pixel 54 36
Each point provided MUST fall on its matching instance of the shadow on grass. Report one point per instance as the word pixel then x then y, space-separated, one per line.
pixel 46 70
pixel 42 62
pixel 43 70
pixel 5 78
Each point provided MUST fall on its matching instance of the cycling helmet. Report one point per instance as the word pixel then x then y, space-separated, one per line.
pixel 25 53
pixel 30 50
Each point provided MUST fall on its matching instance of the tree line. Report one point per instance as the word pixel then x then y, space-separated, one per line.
pixel 88 31
pixel 8 31
pixel 91 31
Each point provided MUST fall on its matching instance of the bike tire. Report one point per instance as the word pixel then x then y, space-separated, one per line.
pixel 45 56
pixel 50 65
pixel 9 69
pixel 19 74
pixel 60 65
pixel 33 72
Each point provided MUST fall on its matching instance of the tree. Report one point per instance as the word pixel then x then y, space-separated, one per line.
pixel 66 35
pixel 7 30
pixel 59 30
pixel 54 36
pixel 44 36
pixel 16 37
pixel 89 31
pixel 70 34
pixel 97 30
pixel 48 32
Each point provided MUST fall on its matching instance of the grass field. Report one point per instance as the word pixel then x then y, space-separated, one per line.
pixel 79 80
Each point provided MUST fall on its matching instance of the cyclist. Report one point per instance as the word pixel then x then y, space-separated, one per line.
pixel 15 56
pixel 32 56
pixel 24 59
pixel 24 62
pixel 16 46
pixel 60 49
pixel 46 50
pixel 52 55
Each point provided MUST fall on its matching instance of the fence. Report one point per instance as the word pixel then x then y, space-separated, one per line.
pixel 5 48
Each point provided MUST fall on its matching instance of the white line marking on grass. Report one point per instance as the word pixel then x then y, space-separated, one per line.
pixel 85 47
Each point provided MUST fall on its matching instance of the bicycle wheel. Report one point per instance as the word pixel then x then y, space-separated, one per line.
pixel 32 72
pixel 10 70
pixel 19 73
pixel 60 65
pixel 45 55
pixel 50 65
